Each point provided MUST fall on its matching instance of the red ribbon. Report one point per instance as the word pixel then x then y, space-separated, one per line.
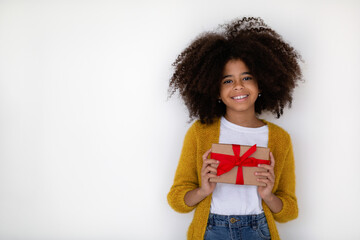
pixel 228 162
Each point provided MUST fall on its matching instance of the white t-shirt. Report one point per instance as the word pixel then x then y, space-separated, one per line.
pixel 232 199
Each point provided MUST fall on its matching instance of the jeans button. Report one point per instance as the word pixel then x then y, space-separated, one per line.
pixel 232 220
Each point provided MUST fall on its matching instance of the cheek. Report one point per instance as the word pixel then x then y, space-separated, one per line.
pixel 253 87
pixel 222 91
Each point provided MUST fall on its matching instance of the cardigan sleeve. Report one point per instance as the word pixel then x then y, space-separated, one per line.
pixel 286 189
pixel 186 177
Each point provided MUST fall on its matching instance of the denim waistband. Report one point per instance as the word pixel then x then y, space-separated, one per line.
pixel 236 220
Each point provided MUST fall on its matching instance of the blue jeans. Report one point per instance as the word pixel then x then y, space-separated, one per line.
pixel 221 227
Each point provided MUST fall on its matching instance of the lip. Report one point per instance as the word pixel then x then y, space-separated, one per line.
pixel 242 99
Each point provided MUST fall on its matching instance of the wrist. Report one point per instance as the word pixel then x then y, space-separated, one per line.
pixel 269 198
pixel 202 193
pixel 274 203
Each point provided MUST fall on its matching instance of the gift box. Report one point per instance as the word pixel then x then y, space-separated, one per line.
pixel 238 163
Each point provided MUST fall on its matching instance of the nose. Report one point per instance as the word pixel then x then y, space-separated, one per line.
pixel 238 85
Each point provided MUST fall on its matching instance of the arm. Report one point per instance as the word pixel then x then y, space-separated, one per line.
pixel 195 196
pixel 286 189
pixel 271 200
pixel 186 178
pixel 282 202
pixel 186 192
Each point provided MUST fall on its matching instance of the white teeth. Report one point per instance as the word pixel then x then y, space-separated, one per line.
pixel 240 97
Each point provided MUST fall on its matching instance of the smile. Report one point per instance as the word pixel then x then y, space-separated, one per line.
pixel 240 97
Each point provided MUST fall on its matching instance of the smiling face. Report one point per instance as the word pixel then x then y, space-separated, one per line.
pixel 238 88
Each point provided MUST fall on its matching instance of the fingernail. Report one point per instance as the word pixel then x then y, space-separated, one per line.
pixel 259 165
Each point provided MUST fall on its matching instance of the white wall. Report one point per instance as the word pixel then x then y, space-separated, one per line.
pixel 89 143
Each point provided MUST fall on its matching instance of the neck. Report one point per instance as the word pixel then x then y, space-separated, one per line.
pixel 244 119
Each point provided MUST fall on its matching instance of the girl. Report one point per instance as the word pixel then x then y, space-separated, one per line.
pixel 226 78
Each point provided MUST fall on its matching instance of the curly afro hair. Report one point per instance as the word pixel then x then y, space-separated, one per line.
pixel 199 68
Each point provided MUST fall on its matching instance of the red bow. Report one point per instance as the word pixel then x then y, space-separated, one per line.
pixel 228 162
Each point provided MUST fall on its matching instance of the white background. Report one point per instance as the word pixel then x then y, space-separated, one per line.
pixel 89 142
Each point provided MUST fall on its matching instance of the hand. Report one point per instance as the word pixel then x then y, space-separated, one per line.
pixel 208 171
pixel 266 192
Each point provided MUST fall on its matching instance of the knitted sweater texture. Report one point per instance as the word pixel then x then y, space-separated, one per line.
pixel 197 141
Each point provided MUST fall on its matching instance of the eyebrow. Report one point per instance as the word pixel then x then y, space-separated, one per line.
pixel 244 73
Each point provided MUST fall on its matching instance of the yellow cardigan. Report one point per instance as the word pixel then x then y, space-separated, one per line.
pixel 197 141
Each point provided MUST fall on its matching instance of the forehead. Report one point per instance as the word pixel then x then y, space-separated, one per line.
pixel 235 66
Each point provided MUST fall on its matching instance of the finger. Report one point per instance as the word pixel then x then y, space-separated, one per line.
pixel 269 175
pixel 264 184
pixel 206 154
pixel 211 170
pixel 265 174
pixel 265 180
pixel 272 159
pixel 208 168
pixel 268 168
pixel 207 162
pixel 210 175
pixel 215 165
pixel 210 161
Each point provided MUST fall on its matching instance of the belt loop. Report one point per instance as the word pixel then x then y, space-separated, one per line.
pixel 210 219
pixel 254 222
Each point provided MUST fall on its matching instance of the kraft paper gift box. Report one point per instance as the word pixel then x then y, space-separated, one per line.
pixel 238 163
